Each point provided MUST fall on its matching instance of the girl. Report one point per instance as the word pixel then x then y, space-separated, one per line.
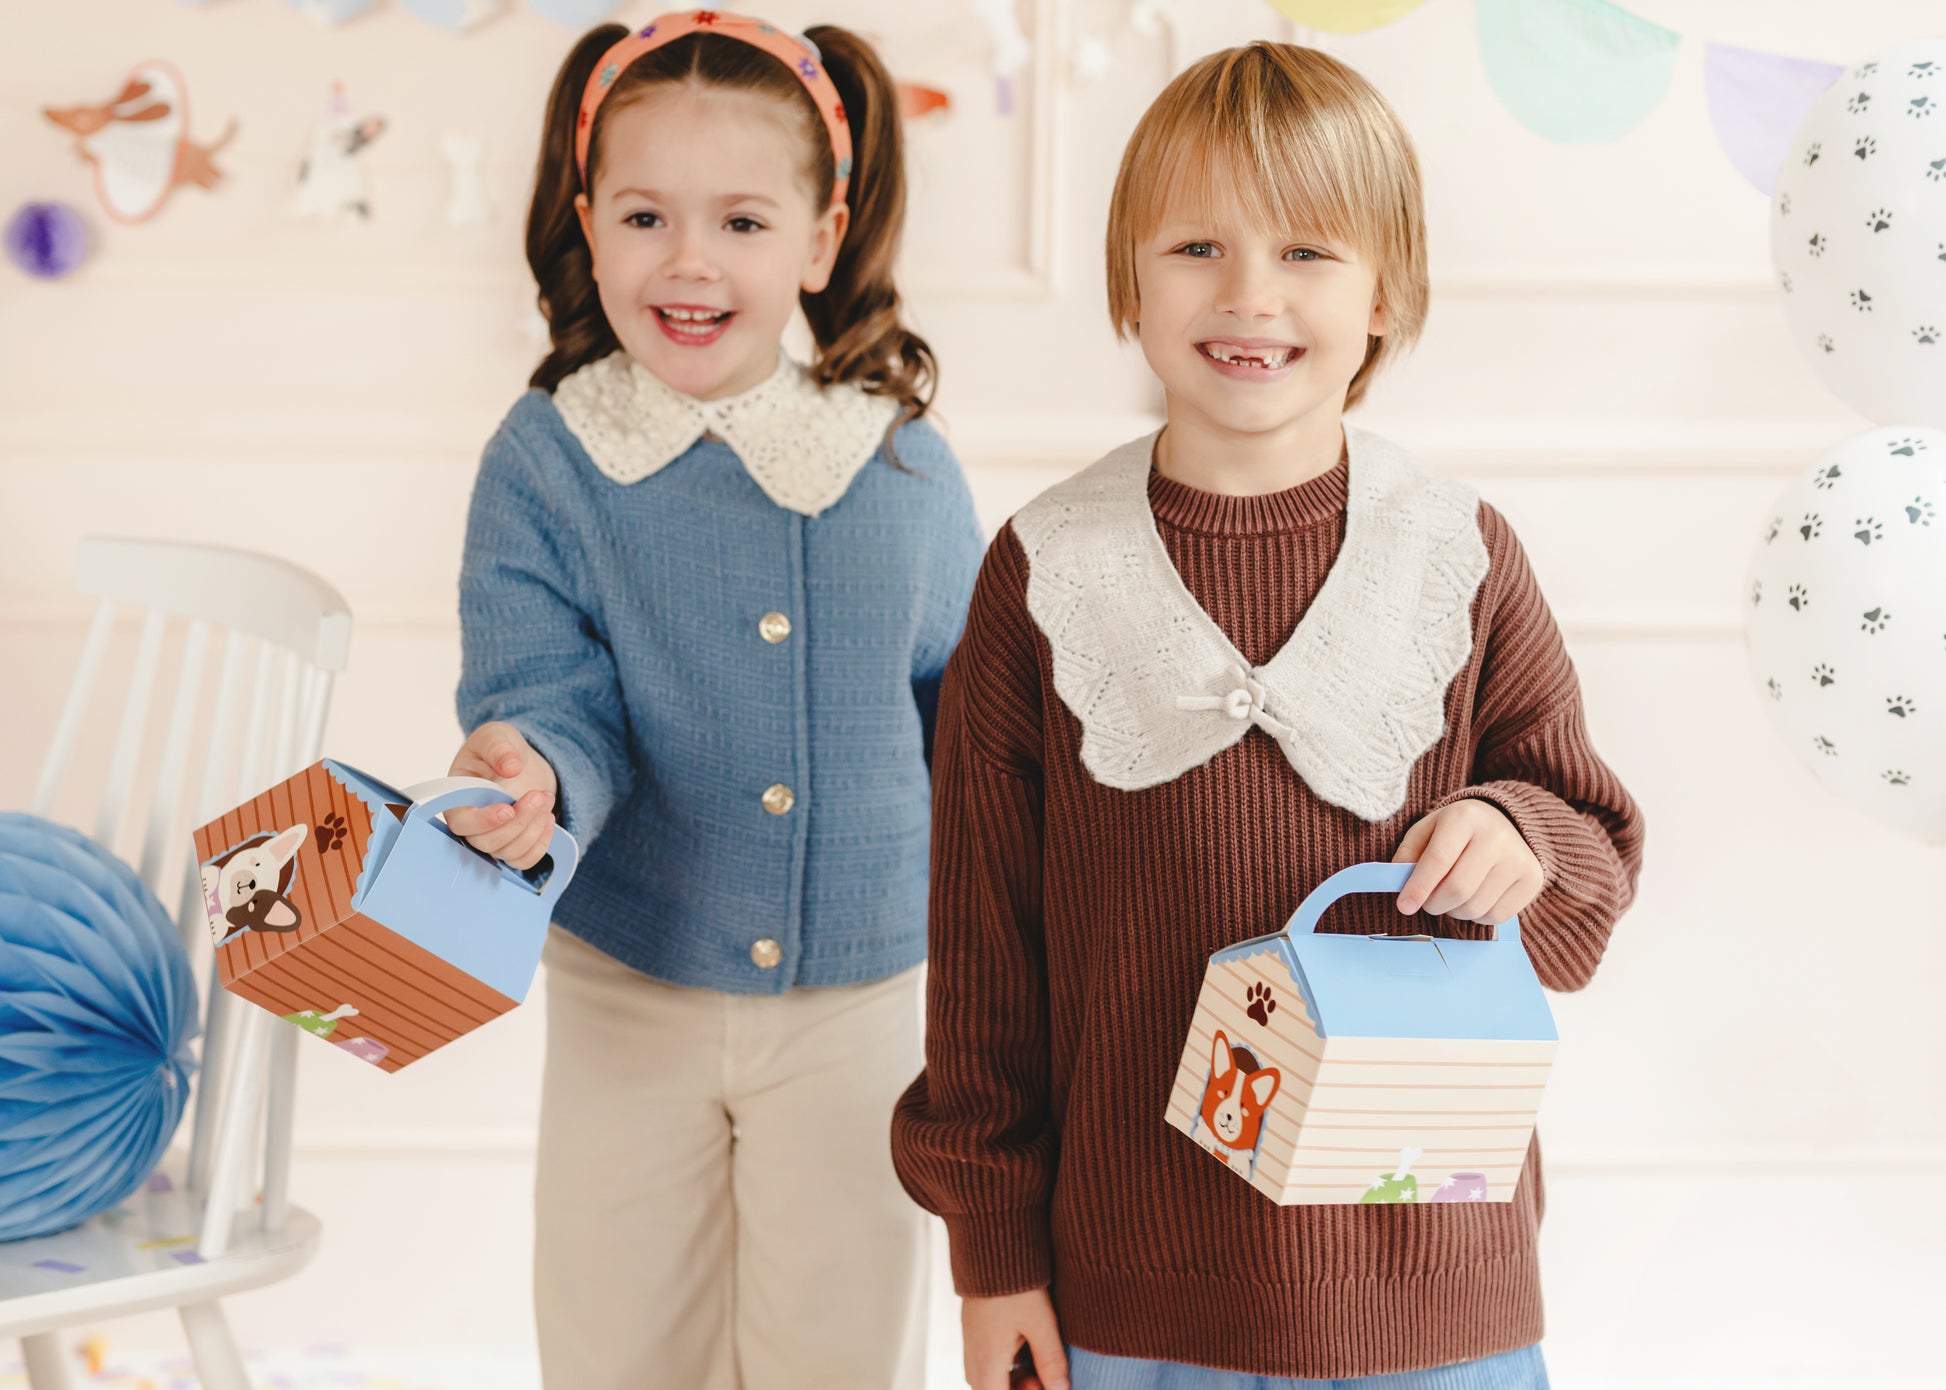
pixel 707 598
pixel 1197 679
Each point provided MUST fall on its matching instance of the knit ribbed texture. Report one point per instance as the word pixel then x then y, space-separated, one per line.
pixel 1071 925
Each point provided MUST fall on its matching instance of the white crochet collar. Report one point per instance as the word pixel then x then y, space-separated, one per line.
pixel 802 444
pixel 1353 698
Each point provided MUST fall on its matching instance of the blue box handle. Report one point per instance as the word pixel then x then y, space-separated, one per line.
pixel 439 794
pixel 1369 878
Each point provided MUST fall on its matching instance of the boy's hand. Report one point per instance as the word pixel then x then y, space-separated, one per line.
pixel 1472 864
pixel 996 1328
pixel 518 834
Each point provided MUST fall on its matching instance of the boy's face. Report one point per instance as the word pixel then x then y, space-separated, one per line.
pixel 1251 330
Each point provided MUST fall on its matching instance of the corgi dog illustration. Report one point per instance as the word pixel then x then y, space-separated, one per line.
pixel 247 888
pixel 1238 1093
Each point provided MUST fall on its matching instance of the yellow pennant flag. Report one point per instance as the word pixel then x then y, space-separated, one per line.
pixel 1345 16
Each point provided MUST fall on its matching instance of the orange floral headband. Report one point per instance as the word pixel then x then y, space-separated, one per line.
pixel 799 54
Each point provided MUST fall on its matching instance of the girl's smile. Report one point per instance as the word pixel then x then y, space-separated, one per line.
pixel 692 325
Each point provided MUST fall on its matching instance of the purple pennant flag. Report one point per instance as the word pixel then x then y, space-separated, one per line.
pixel 1757 101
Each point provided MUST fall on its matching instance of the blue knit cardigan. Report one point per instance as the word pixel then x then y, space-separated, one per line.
pixel 617 626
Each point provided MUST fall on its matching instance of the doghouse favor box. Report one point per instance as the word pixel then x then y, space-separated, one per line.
pixel 348 908
pixel 1334 1068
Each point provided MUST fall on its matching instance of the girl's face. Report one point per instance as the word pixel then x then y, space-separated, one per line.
pixel 703 233
pixel 1251 330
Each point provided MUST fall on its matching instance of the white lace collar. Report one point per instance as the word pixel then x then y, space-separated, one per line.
pixel 801 444
pixel 1353 698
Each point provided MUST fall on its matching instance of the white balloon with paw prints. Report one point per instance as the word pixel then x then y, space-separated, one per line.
pixel 1858 235
pixel 1845 624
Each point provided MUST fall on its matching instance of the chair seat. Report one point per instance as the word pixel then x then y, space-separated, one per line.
pixel 139 1256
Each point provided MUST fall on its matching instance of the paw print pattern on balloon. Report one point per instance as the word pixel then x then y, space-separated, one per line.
pixel 1824 746
pixel 1826 478
pixel 1878 220
pixel 1861 301
pixel 1817 244
pixel 1861 102
pixel 1811 527
pixel 1900 706
pixel 1919 512
pixel 1925 335
pixel 1823 674
pixel 1870 529
pixel 1909 446
pixel 1775 687
pixel 1797 598
pixel 1874 620
pixel 1896 777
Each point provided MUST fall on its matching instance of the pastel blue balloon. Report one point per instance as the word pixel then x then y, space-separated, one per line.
pixel 576 14
pixel 1577 72
pixel 97 1014
pixel 330 11
pixel 454 16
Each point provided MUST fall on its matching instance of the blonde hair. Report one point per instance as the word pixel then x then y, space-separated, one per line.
pixel 1303 143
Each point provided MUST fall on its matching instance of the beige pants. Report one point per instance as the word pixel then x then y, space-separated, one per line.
pixel 715 1207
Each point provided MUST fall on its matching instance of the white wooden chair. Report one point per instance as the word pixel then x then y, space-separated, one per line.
pixel 194 1235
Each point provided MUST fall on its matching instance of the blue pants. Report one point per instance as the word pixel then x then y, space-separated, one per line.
pixel 1513 1370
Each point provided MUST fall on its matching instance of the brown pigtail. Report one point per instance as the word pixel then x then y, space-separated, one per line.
pixel 855 319
pixel 557 253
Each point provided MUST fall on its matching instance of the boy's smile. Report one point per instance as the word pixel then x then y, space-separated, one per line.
pixel 1251 359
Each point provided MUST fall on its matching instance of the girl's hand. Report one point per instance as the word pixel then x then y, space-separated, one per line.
pixel 995 1330
pixel 518 834
pixel 1473 864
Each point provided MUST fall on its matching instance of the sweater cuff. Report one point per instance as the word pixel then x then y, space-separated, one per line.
pixel 1000 1252
pixel 1537 813
pixel 581 799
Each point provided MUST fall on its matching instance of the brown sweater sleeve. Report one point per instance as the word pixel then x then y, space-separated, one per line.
pixel 1532 758
pixel 972 1138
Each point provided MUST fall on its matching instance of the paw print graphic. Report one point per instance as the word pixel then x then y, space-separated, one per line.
pixel 1784 281
pixel 1910 446
pixel 1776 525
pixel 1926 68
pixel 1900 706
pixel 1919 512
pixel 1865 147
pixel 1756 593
pixel 331 833
pixel 1258 1003
pixel 1823 674
pixel 1824 746
pixel 1797 597
pixel 1861 102
pixel 1861 301
pixel 1827 477
pixel 1873 620
pixel 1817 244
pixel 1936 171
pixel 1811 153
pixel 1864 70
pixel 1783 205
pixel 1869 529
pixel 1925 335
pixel 1878 219
pixel 1824 341
pixel 1775 687
pixel 1921 108
pixel 1811 527
pixel 1898 777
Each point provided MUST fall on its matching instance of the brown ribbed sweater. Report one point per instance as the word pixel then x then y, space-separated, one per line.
pixel 1071 924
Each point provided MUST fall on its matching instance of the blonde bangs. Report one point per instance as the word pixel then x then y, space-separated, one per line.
pixel 1304 146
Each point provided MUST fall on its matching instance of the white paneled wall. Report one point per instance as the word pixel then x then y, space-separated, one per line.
pixel 1747 1131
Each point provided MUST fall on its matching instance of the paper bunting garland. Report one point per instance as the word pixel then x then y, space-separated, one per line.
pixel 453 16
pixel 576 14
pixel 1345 16
pixel 138 142
pixel 1756 101
pixel 1578 72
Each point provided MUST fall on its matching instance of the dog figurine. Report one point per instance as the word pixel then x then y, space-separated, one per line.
pixel 331 181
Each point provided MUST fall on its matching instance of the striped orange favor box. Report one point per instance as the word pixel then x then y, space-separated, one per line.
pixel 1337 1068
pixel 348 908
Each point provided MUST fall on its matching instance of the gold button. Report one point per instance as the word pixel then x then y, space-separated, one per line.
pixel 778 799
pixel 765 954
pixel 775 627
